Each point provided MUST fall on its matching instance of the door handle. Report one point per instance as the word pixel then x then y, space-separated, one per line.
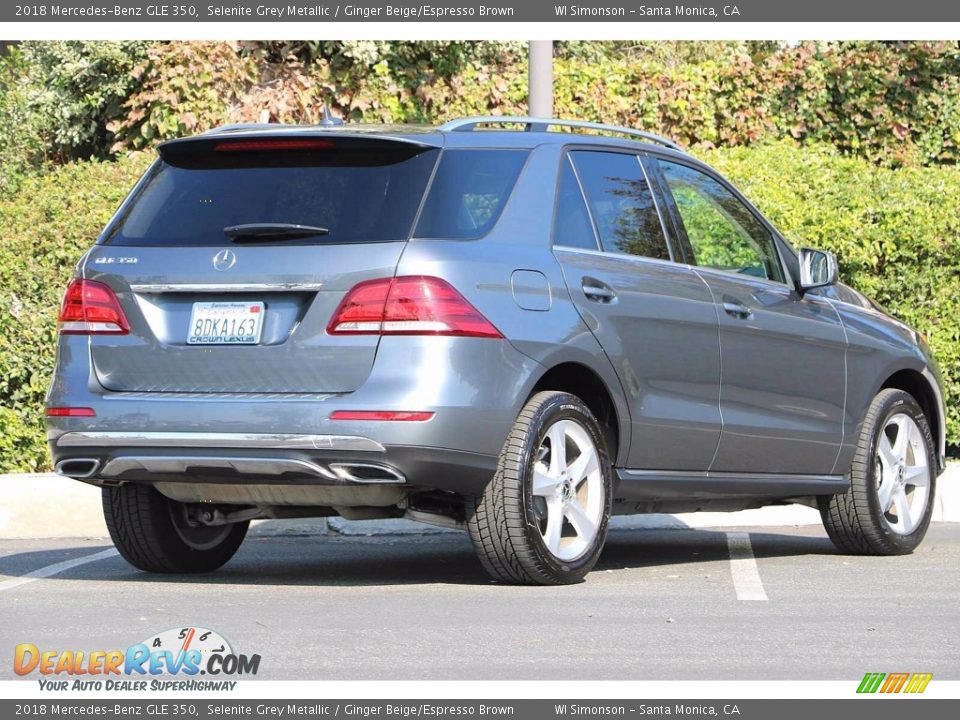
pixel 598 292
pixel 736 308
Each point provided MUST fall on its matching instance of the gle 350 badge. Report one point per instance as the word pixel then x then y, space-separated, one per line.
pixel 188 651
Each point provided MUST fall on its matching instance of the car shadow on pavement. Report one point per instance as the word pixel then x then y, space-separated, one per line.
pixel 648 548
pixel 331 561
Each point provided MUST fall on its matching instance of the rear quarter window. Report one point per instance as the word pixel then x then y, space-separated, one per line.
pixel 468 193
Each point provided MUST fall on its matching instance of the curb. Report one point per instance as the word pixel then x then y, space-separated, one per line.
pixel 45 505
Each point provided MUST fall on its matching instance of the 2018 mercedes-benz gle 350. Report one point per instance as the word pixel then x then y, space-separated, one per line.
pixel 515 326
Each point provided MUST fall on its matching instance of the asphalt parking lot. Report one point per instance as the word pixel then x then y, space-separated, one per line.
pixel 739 603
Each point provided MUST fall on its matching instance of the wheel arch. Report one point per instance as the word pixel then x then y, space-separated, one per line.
pixel 916 384
pixel 580 380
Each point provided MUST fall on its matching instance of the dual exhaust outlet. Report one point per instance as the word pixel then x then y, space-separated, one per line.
pixel 349 472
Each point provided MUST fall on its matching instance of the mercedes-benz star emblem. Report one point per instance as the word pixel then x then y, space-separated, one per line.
pixel 224 260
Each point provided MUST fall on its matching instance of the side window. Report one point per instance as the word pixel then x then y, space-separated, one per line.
pixel 621 203
pixel 722 231
pixel 571 225
pixel 468 192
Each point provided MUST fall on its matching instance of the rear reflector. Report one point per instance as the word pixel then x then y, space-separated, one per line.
pixel 91 308
pixel 410 305
pixel 272 145
pixel 388 415
pixel 70 412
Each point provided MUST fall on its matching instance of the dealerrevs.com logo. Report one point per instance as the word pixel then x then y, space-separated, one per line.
pixel 186 652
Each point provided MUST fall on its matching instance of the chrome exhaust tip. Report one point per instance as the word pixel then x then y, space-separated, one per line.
pixel 367 473
pixel 78 468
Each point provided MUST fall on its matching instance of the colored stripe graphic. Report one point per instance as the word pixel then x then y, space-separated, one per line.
pixel 894 682
pixel 918 682
pixel 870 682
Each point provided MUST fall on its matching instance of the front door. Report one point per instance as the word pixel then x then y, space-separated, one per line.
pixel 783 353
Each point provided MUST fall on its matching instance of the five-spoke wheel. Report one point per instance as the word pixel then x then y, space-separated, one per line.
pixel 568 490
pixel 902 473
pixel 887 508
pixel 543 518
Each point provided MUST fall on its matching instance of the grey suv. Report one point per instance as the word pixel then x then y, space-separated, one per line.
pixel 514 326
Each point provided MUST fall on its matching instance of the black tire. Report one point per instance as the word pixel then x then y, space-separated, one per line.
pixel 146 529
pixel 502 522
pixel 854 520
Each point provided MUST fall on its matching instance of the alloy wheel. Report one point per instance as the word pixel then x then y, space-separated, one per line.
pixel 568 490
pixel 902 474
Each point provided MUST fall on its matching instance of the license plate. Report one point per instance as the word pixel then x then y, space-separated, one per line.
pixel 225 323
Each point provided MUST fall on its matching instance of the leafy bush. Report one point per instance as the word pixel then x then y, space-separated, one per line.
pixel 56 100
pixel 893 103
pixel 21 129
pixel 44 228
pixel 185 87
pixel 896 232
pixel 78 88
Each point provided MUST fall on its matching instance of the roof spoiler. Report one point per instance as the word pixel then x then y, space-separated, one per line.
pixel 292 145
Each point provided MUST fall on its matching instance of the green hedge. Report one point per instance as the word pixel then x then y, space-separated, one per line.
pixel 896 231
pixel 44 228
pixel 893 103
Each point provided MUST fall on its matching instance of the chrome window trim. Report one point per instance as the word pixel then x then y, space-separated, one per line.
pixel 642 259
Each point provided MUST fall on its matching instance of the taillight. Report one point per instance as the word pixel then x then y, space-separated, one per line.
pixel 70 412
pixel 91 308
pixel 272 145
pixel 387 415
pixel 411 305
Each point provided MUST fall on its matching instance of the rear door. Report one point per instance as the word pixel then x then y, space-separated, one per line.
pixel 653 317
pixel 192 292
pixel 784 373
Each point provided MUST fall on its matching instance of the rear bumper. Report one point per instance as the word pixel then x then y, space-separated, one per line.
pixel 234 458
pixel 473 387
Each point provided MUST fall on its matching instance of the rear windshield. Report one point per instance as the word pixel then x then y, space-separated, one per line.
pixel 357 196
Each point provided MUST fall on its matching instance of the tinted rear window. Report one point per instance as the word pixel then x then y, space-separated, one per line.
pixel 469 191
pixel 359 195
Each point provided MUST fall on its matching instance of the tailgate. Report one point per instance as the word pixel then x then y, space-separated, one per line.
pixel 181 279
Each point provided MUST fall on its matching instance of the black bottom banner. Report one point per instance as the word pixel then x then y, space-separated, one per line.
pixel 875 708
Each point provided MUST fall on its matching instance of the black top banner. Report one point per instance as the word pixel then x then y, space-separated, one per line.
pixel 261 11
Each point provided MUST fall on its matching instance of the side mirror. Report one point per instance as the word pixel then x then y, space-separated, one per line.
pixel 818 268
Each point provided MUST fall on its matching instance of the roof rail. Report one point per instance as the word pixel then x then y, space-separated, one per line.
pixel 534 124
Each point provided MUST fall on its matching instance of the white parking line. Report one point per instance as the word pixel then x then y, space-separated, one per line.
pixel 743 568
pixel 55 569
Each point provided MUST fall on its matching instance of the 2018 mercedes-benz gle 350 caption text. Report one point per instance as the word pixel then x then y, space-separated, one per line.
pixel 514 326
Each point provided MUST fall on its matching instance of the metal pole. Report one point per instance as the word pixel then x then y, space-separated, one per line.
pixel 541 79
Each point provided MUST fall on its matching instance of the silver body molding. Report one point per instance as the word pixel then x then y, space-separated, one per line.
pixel 218 440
